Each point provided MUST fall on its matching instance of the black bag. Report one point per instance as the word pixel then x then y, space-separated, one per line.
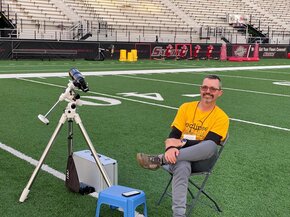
pixel 72 180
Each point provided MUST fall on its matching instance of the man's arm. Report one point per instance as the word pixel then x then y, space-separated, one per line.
pixel 214 137
pixel 176 135
pixel 174 143
pixel 173 139
pixel 210 136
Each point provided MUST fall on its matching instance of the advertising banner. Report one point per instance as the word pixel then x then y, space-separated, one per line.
pixel 169 51
pixel 241 50
pixel 111 50
pixel 273 51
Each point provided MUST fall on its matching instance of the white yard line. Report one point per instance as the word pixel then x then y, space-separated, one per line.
pixel 246 77
pixel 259 124
pixel 159 105
pixel 152 71
pixel 102 94
pixel 191 84
pixel 271 72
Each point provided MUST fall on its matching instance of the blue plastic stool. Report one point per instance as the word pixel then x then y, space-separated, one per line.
pixel 113 196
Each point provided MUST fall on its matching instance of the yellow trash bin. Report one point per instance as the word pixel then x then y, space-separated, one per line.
pixel 134 52
pixel 123 55
pixel 130 57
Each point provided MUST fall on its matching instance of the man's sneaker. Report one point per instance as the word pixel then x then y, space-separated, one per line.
pixel 151 162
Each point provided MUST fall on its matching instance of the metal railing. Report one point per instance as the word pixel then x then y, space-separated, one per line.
pixel 123 34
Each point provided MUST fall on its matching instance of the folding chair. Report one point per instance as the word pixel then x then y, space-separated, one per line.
pixel 200 187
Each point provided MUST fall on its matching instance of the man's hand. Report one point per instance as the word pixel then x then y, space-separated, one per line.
pixel 173 142
pixel 171 154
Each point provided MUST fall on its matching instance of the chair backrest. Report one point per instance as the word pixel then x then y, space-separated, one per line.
pixel 223 143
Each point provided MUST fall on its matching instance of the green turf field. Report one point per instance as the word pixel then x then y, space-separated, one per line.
pixel 250 180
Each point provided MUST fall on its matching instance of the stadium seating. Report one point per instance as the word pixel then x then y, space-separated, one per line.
pixel 35 13
pixel 214 13
pixel 49 18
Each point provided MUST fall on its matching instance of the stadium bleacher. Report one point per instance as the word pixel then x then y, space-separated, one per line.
pixel 57 19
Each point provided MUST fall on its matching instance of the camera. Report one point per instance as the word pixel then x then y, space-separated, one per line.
pixel 78 80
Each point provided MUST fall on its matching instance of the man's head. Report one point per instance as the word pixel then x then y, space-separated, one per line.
pixel 211 89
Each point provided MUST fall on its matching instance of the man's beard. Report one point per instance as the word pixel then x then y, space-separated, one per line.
pixel 207 99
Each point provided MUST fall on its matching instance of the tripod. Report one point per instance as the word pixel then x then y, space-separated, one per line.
pixel 69 115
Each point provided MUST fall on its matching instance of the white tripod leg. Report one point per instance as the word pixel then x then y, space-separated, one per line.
pixel 91 146
pixel 26 190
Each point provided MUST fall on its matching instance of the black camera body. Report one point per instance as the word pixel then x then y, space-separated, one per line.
pixel 78 80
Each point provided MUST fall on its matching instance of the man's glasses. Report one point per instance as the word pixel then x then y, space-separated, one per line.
pixel 211 89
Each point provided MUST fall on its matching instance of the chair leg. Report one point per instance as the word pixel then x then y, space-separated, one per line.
pixel 190 192
pixel 209 197
pixel 203 192
pixel 165 191
pixel 195 199
pixel 214 202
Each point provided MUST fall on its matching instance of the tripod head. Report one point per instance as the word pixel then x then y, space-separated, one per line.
pixel 69 94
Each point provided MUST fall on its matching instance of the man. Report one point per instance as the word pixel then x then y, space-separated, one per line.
pixel 197 129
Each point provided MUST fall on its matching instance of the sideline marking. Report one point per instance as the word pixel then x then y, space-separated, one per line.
pixel 160 105
pixel 153 71
pixel 34 162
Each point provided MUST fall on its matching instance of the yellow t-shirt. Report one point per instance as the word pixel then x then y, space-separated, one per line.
pixel 190 120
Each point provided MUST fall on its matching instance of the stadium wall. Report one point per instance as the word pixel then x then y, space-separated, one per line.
pixel 51 49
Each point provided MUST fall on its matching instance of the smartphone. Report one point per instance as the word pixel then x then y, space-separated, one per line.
pixel 130 193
